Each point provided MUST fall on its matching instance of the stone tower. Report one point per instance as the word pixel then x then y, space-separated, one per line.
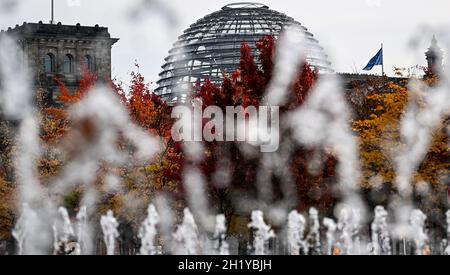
pixel 63 51
pixel 434 57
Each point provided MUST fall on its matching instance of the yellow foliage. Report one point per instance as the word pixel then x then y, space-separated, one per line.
pixel 6 209
pixel 379 133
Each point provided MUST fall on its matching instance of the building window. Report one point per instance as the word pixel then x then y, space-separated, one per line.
pixel 89 63
pixel 68 63
pixel 49 63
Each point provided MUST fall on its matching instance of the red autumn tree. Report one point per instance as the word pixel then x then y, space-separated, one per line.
pixel 246 87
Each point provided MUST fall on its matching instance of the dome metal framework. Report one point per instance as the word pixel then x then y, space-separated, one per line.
pixel 212 46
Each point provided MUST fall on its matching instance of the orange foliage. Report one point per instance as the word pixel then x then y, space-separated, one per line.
pixel 87 82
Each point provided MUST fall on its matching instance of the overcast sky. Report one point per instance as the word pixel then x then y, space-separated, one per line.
pixel 351 31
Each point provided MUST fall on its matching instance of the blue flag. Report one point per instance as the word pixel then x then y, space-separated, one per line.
pixel 376 60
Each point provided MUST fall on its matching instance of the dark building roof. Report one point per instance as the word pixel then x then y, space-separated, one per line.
pixel 34 30
pixel 349 77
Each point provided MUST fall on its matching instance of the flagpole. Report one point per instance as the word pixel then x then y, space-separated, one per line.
pixel 382 60
pixel 53 13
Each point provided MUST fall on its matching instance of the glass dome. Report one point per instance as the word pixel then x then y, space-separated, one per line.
pixel 212 45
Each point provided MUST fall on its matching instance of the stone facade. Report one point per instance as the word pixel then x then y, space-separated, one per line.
pixel 62 51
